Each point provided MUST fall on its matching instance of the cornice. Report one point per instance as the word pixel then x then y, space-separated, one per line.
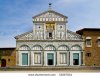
pixel 49 41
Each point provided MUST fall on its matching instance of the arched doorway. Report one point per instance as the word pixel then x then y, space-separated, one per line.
pixel 3 63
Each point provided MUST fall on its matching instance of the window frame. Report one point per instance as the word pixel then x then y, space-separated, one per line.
pixel 36 62
pixel 98 42
pixel 50 34
pixel 88 39
pixel 63 62
pixel 22 58
pixel 88 54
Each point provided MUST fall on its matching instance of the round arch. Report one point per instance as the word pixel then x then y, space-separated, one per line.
pixel 37 47
pixel 24 47
pixel 76 47
pixel 50 47
pixel 63 47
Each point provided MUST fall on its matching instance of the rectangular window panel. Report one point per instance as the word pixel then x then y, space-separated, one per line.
pixel 75 58
pixel 50 55
pixel 50 35
pixel 37 58
pixel 63 58
pixel 98 42
pixel 88 42
pixel 50 58
pixel 24 58
pixel 75 55
pixel 88 54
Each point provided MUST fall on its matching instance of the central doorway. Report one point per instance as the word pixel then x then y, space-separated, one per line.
pixel 50 58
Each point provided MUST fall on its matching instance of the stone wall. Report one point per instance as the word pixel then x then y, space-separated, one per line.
pixel 94 59
pixel 9 54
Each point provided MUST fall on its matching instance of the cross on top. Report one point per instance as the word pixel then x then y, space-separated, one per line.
pixel 50 6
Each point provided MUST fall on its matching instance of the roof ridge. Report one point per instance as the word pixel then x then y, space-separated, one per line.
pixel 49 11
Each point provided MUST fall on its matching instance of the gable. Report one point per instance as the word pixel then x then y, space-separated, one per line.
pixel 25 36
pixel 49 15
pixel 73 36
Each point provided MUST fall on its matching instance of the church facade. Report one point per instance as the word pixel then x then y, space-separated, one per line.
pixel 50 43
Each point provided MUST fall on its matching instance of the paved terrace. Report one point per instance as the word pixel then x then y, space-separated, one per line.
pixel 68 68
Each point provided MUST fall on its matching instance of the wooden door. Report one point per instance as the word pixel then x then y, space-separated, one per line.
pixel 3 63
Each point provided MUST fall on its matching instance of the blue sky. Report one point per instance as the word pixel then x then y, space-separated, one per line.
pixel 16 16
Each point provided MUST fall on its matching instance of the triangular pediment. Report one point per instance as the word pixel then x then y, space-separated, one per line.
pixel 50 15
pixel 25 36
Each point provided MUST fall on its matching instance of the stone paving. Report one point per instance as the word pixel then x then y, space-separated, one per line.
pixel 69 68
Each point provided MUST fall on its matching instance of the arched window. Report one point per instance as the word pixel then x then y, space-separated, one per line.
pixel 24 47
pixel 50 47
pixel 76 47
pixel 37 47
pixel 63 47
